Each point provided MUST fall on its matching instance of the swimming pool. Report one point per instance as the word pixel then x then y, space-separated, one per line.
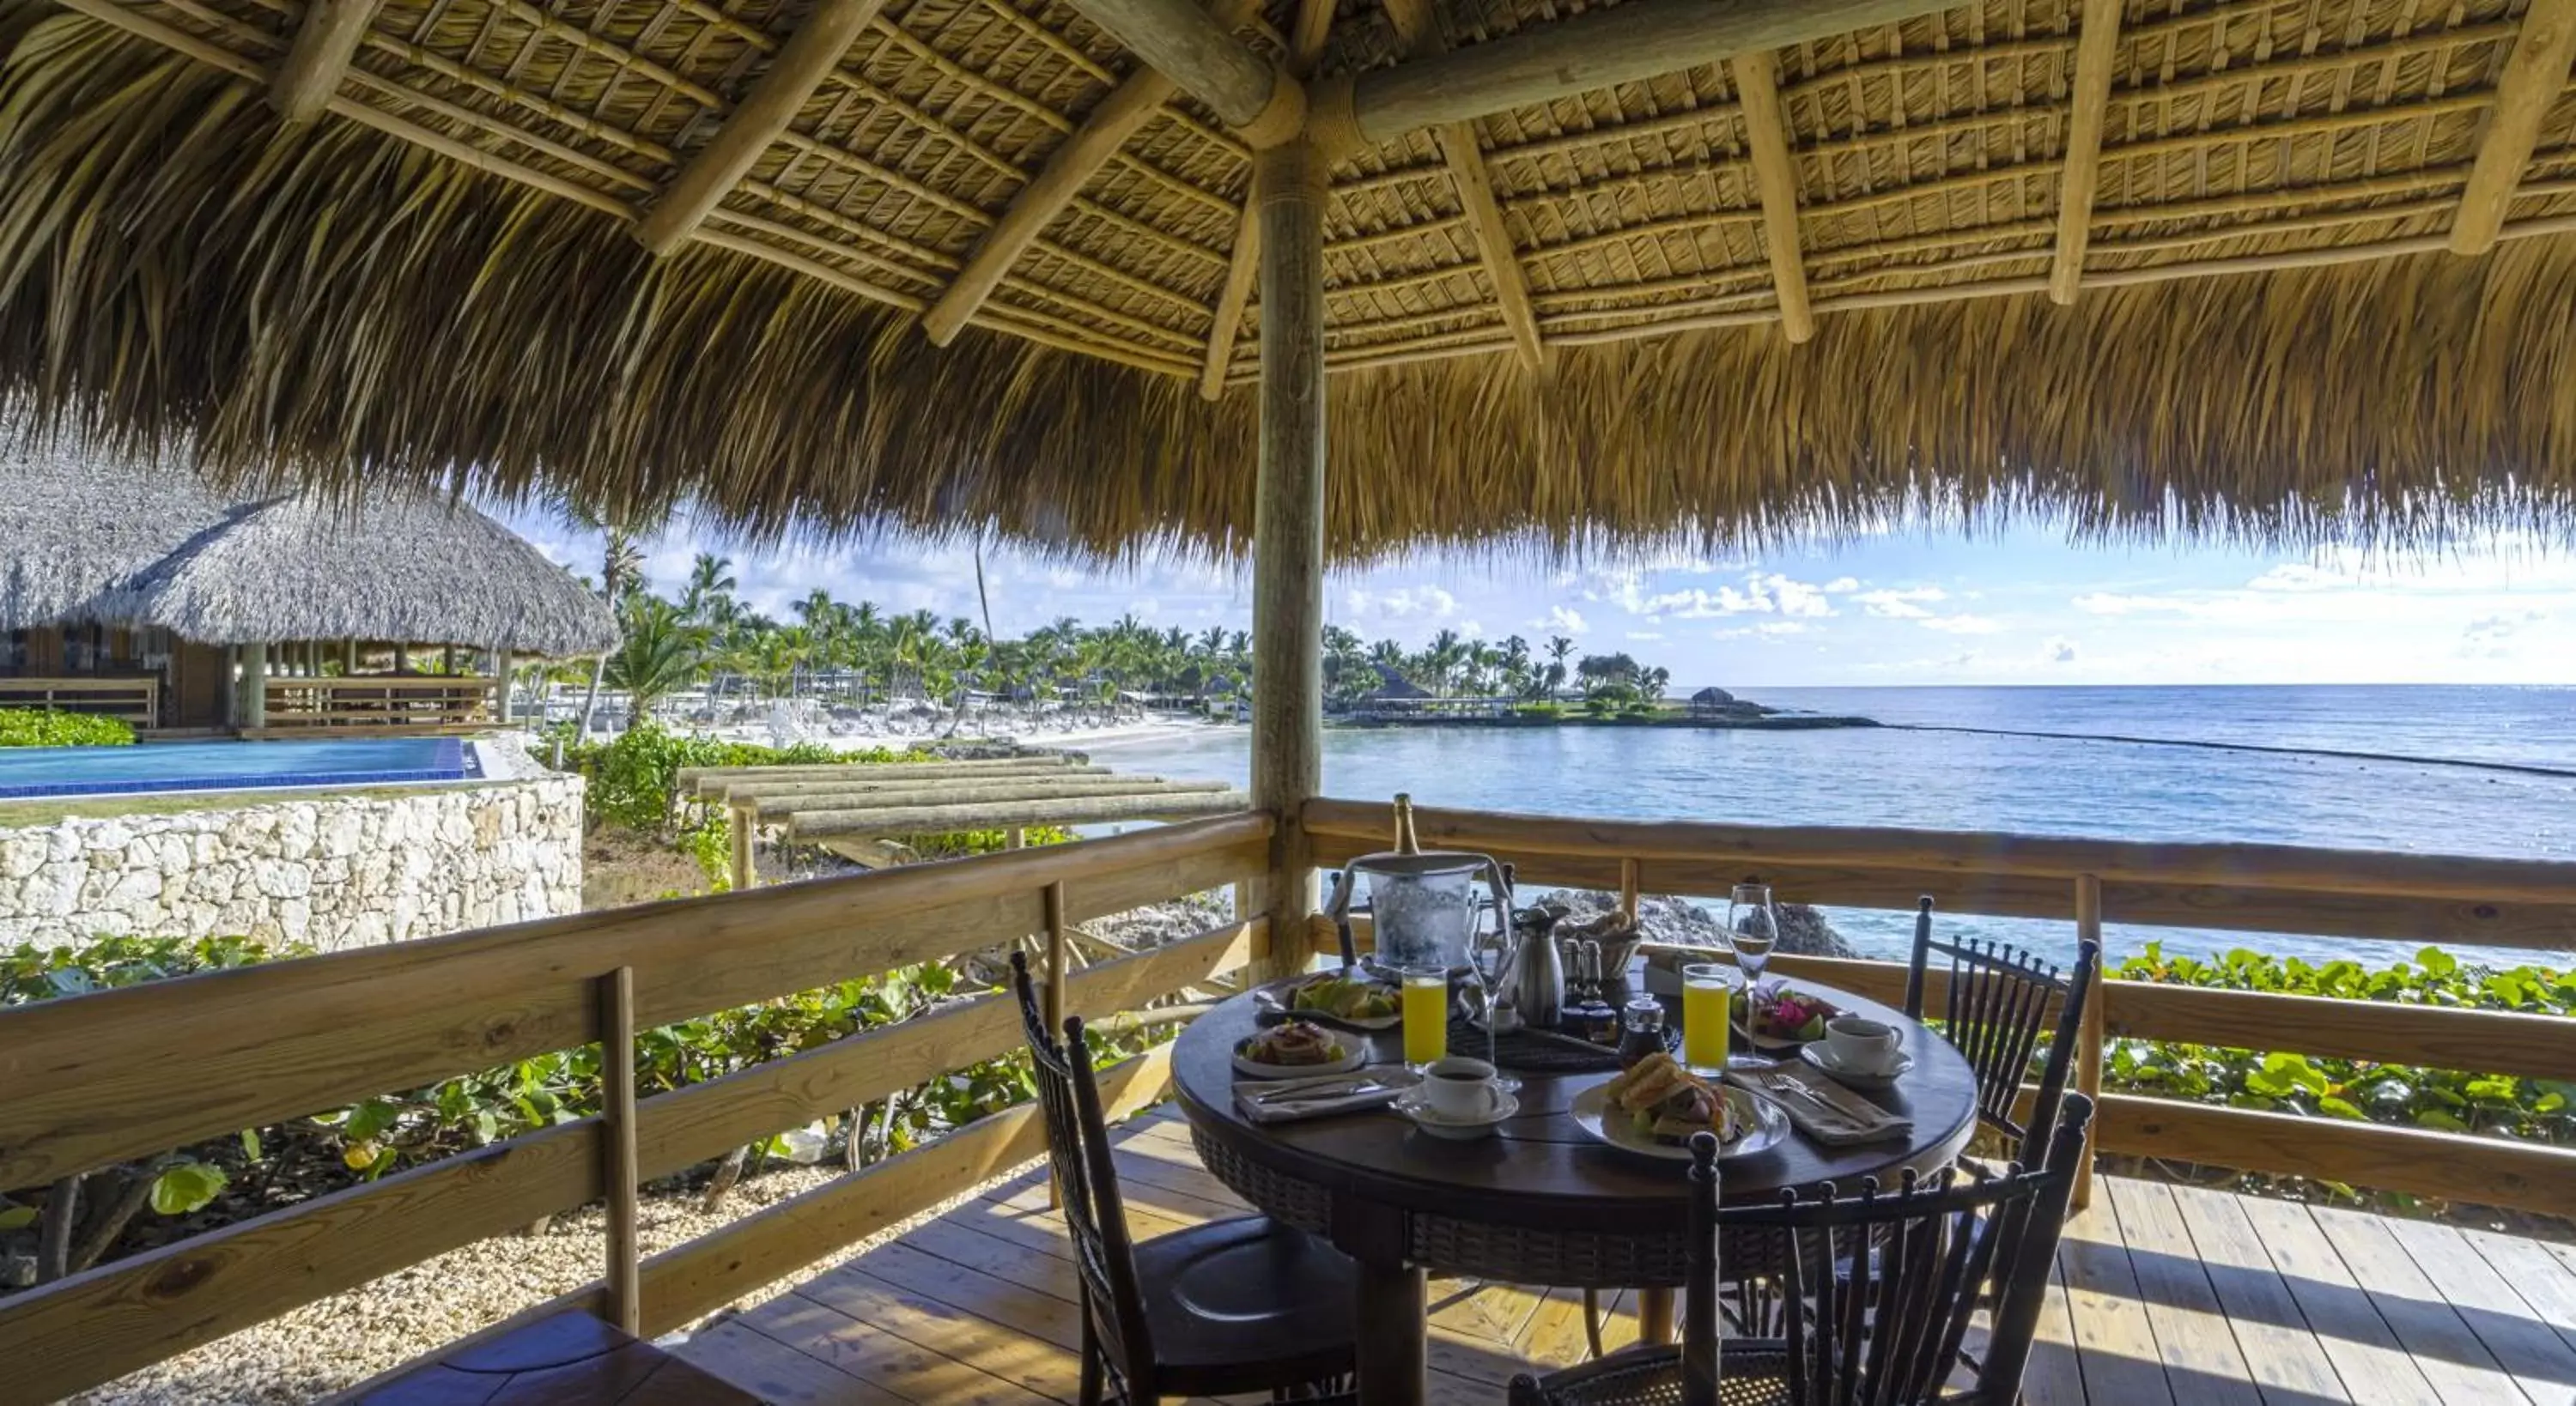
pixel 231 766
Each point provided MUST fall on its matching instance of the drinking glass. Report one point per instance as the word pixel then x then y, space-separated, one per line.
pixel 1752 928
pixel 1704 1001
pixel 1426 1014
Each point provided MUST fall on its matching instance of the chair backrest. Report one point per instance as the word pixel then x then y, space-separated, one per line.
pixel 1880 1289
pixel 1086 1179
pixel 1996 1007
pixel 1700 1278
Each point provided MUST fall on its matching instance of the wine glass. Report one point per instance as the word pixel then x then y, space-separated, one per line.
pixel 1752 928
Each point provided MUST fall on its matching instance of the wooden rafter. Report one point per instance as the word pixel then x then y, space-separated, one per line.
pixel 1133 103
pixel 1419 38
pixel 1775 180
pixel 2534 77
pixel 1200 53
pixel 2096 50
pixel 1598 48
pixel 325 42
pixel 795 71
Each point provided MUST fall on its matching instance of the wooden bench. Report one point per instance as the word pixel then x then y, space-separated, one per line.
pixel 571 1359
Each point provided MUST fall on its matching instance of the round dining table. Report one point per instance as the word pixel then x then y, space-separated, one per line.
pixel 1540 1202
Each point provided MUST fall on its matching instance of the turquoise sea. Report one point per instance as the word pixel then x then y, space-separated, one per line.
pixel 2076 785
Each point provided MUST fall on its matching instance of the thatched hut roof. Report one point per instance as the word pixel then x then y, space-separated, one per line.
pixel 440 281
pixel 151 545
pixel 1712 696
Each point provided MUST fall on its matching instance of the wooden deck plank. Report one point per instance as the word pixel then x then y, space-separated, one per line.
pixel 2287 1361
pixel 2115 1346
pixel 2192 1335
pixel 2375 1367
pixel 2542 1364
pixel 2054 1375
pixel 775 1372
pixel 2545 1281
pixel 991 1345
pixel 868 1351
pixel 2432 1332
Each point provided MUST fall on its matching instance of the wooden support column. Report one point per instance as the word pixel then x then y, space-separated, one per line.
pixel 1059 969
pixel 1288 530
pixel 501 683
pixel 744 823
pixel 327 39
pixel 1775 181
pixel 1475 185
pixel 348 658
pixel 254 687
pixel 2091 1036
pixel 620 1175
pixel 795 71
pixel 2096 49
pixel 2534 75
pixel 1305 45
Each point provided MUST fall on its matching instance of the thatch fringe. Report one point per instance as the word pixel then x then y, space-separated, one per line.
pixel 335 306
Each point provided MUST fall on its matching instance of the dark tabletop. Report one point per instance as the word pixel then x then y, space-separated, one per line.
pixel 1541 1170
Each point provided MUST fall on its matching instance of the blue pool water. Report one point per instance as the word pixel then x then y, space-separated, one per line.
pixel 230 766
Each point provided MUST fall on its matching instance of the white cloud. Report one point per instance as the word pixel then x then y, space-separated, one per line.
pixel 1472 629
pixel 1900 605
pixel 1645 635
pixel 1761 594
pixel 1961 624
pixel 1561 620
pixel 1842 585
pixel 1404 603
pixel 2058 650
pixel 1771 629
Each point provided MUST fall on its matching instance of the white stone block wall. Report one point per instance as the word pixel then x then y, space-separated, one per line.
pixel 331 871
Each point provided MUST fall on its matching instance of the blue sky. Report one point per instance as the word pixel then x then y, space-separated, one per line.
pixel 1910 606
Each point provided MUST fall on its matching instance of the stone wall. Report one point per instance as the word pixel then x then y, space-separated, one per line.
pixel 332 871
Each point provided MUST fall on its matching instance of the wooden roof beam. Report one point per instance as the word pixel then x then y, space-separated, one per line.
pixel 795 71
pixel 1775 180
pixel 325 43
pixel 2096 50
pixel 2534 75
pixel 1624 43
pixel 1200 53
pixel 1120 116
pixel 1419 38
pixel 1308 32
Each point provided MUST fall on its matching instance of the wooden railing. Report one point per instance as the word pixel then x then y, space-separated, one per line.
pixel 95 1080
pixel 417 702
pixel 134 698
pixel 2256 888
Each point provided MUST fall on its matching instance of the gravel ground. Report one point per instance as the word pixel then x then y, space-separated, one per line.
pixel 335 1343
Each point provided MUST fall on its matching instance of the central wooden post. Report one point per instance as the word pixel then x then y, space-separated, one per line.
pixel 1288 186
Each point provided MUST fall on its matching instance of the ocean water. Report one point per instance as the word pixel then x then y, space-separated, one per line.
pixel 2079 786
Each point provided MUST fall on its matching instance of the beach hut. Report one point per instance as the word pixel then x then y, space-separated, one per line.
pixel 1106 276
pixel 134 586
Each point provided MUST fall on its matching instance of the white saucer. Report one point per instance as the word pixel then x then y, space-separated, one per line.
pixel 1415 1104
pixel 1821 1057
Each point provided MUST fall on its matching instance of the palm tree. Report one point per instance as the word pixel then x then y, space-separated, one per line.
pixel 1558 646
pixel 621 568
pixel 709 598
pixel 657 653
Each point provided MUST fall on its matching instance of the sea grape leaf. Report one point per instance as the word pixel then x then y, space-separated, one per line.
pixel 186 1186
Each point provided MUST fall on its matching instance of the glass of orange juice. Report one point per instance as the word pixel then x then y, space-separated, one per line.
pixel 1426 1014
pixel 1705 995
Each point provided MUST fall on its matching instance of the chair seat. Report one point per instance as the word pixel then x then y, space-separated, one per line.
pixel 1750 1373
pixel 1245 1305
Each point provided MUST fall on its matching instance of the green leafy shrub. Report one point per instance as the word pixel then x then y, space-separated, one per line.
pixel 632 776
pixel 44 727
pixel 2458 1101
pixel 198 1187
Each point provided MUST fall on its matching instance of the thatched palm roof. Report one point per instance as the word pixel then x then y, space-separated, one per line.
pixel 440 279
pixel 150 544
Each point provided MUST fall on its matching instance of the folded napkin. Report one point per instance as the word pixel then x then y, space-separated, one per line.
pixel 1289 1100
pixel 1819 1107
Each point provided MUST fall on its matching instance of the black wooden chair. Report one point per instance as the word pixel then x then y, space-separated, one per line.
pixel 1994 1010
pixel 1245 1305
pixel 1875 1302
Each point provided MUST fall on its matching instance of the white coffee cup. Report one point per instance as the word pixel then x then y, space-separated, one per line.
pixel 1863 1045
pixel 1459 1087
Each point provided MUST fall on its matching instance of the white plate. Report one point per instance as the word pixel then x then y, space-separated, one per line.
pixel 1354 1053
pixel 1283 1001
pixel 1415 1104
pixel 1822 1058
pixel 1592 1113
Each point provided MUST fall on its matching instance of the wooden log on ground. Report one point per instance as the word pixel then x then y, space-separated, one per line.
pixel 795 795
pixel 937 820
pixel 771 807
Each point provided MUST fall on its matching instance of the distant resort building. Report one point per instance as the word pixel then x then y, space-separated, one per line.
pixel 137 589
